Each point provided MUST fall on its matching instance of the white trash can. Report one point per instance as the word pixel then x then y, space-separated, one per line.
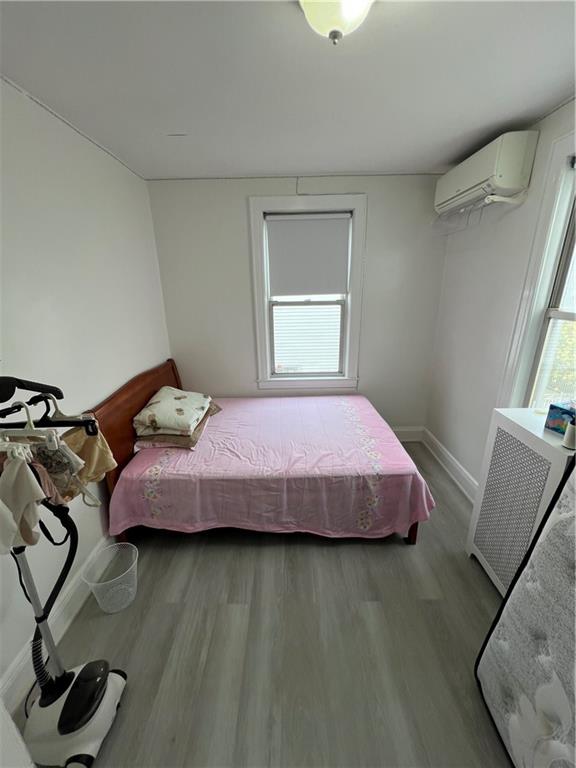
pixel 112 575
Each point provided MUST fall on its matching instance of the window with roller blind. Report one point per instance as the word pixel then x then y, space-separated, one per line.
pixel 307 254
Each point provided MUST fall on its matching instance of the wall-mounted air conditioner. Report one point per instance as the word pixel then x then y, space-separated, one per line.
pixel 499 172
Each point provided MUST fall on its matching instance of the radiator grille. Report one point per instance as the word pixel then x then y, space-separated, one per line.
pixel 514 487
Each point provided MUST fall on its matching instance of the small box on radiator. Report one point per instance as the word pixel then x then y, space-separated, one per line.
pixel 559 416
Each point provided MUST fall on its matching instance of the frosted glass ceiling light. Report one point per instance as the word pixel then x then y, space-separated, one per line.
pixel 335 18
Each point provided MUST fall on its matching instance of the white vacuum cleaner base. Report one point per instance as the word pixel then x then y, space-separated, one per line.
pixel 48 747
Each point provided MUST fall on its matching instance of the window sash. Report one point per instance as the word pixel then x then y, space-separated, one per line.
pixel 307 303
pixel 566 256
pixel 553 312
pixel 541 377
pixel 559 314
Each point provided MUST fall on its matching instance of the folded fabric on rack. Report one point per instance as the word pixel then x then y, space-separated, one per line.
pixel 62 465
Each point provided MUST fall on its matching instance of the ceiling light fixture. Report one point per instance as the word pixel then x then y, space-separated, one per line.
pixel 335 18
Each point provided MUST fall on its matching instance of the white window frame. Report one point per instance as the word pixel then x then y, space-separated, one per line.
pixel 356 205
pixel 553 312
pixel 543 264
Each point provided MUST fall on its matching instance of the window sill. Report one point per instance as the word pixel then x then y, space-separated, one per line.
pixel 335 382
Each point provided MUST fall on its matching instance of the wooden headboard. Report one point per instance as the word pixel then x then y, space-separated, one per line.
pixel 115 414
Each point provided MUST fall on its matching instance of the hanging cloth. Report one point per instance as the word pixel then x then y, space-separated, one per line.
pixel 94 452
pixel 48 486
pixel 41 473
pixel 20 495
pixel 63 466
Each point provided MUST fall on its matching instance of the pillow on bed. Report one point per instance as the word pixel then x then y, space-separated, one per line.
pixel 178 441
pixel 171 411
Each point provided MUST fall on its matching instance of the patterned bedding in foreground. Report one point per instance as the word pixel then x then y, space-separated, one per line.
pixel 526 670
pixel 324 465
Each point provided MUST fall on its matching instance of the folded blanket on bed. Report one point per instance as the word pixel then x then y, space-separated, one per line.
pixel 161 440
pixel 171 411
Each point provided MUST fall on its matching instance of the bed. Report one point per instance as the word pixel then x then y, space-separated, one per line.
pixel 327 465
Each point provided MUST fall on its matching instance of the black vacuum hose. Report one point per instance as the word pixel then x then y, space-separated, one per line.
pixel 60 511
pixel 63 514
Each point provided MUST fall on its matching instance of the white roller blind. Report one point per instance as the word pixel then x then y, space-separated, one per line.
pixel 308 255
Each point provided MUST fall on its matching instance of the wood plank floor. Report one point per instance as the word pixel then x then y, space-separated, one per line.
pixel 294 651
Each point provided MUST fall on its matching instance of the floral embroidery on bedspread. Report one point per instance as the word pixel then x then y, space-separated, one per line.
pixel 369 446
pixel 152 492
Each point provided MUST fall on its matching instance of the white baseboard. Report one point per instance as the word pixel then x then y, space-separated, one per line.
pixel 19 676
pixel 463 479
pixel 409 434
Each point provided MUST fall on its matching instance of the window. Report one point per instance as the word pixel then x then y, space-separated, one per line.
pixel 306 336
pixel 307 254
pixel 554 372
pixel 527 343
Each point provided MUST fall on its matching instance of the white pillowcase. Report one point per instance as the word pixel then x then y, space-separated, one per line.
pixel 171 412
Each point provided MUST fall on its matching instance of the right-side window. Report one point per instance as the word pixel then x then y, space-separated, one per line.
pixel 554 373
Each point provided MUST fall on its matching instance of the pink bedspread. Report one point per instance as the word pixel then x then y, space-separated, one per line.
pixel 324 465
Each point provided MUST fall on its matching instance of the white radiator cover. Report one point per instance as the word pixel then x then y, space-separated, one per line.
pixel 523 465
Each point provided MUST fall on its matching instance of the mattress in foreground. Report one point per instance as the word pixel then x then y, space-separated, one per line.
pixel 526 666
pixel 324 465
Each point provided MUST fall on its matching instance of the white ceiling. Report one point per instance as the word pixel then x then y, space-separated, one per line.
pixel 258 93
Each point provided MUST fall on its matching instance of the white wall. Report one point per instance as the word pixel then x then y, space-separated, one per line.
pixel 484 272
pixel 202 236
pixel 13 752
pixel 81 298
